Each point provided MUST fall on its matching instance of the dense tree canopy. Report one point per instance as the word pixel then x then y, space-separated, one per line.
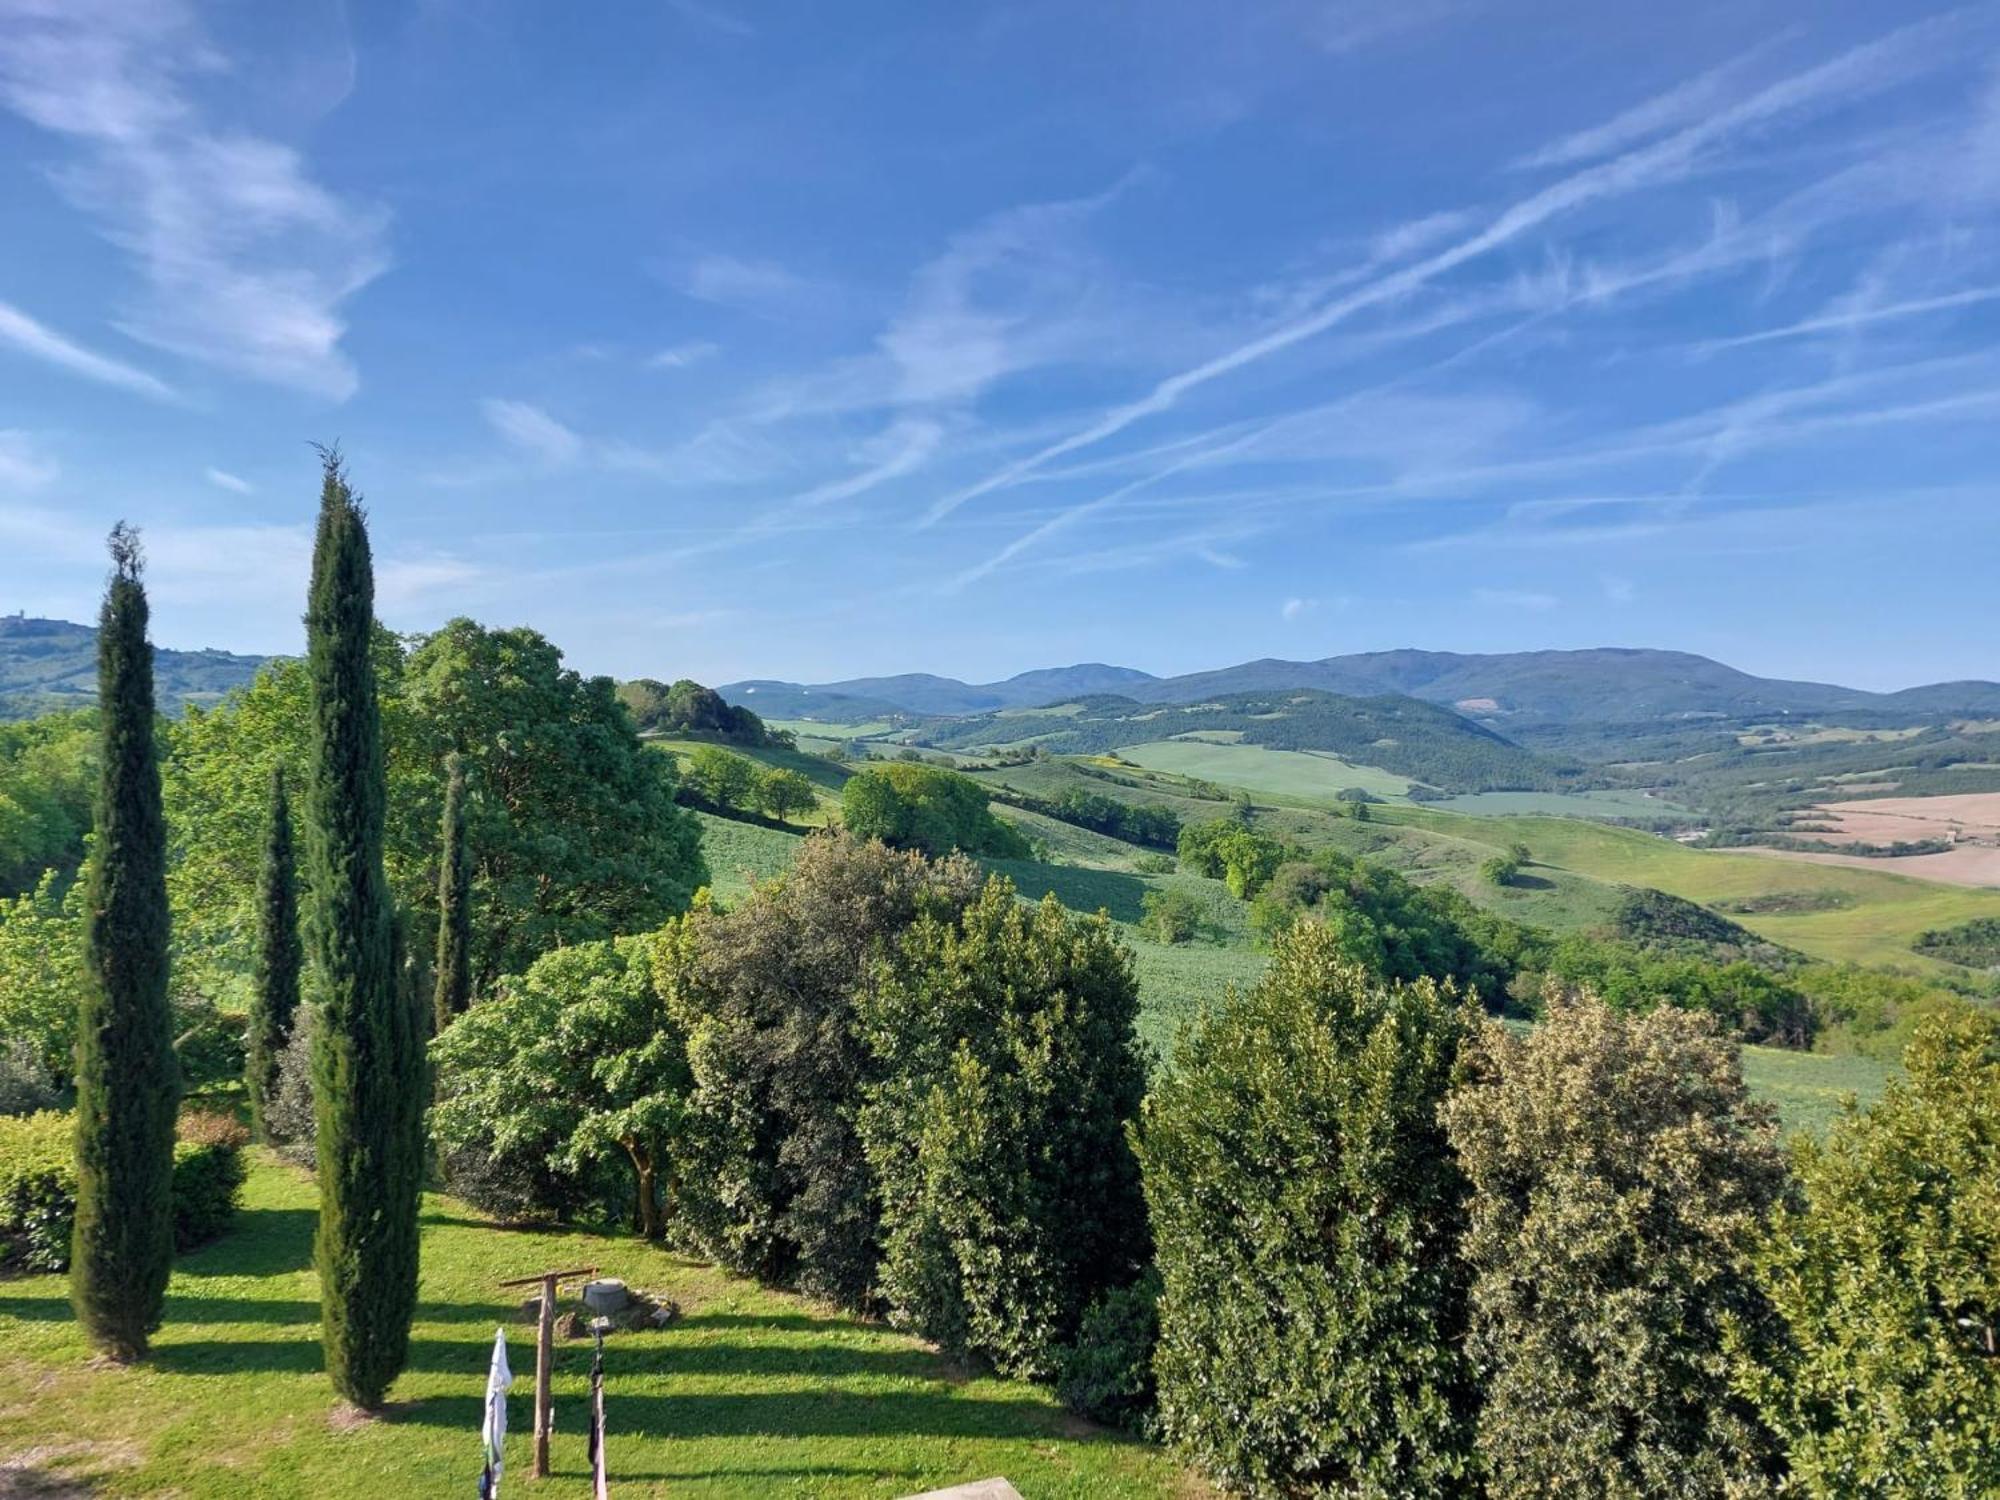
pixel 928 808
pixel 1887 1279
pixel 48 767
pixel 689 708
pixel 769 996
pixel 1306 1211
pixel 575 1064
pixel 571 820
pixel 1008 1072
pixel 1619 1176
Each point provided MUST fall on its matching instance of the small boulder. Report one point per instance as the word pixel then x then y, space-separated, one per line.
pixel 666 1314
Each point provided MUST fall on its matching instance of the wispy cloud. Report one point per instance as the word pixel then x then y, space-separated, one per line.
pixel 1860 70
pixel 1856 317
pixel 23 464
pixel 680 356
pixel 246 259
pixel 21 332
pixel 1297 609
pixel 762 286
pixel 224 480
pixel 532 431
pixel 1527 599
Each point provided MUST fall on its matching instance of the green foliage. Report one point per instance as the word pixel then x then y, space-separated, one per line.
pixel 777 1183
pixel 48 767
pixel 127 1079
pixel 576 1065
pixel 1750 1002
pixel 926 808
pixel 1887 1278
pixel 1243 858
pixel 1152 824
pixel 210 1045
pixel 1172 916
pixel 722 780
pixel 274 993
pixel 689 708
pixel 453 992
pixel 1619 1176
pixel 571 820
pixel 1976 944
pixel 367 1057
pixel 42 973
pixel 1009 1071
pixel 782 792
pixel 38 1187
pixel 1501 870
pixel 1306 1210
pixel 1106 1376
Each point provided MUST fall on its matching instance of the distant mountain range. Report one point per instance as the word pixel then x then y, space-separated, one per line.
pixel 1610 685
pixel 52 664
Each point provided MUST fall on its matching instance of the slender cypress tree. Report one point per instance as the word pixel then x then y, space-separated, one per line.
pixel 365 1045
pixel 454 941
pixel 127 1080
pixel 275 997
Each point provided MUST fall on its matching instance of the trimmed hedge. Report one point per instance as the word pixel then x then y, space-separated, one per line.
pixel 38 1186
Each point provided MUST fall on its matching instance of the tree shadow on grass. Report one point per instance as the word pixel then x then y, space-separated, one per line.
pixel 259 1242
pixel 1079 889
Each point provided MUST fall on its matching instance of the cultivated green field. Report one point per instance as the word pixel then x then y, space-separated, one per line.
pixel 751 1394
pixel 1594 804
pixel 1810 1088
pixel 1291 773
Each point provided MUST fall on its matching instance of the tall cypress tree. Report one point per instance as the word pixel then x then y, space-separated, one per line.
pixel 365 1047
pixel 454 941
pixel 274 999
pixel 127 1080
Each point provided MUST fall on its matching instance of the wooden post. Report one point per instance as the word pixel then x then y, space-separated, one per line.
pixel 545 1344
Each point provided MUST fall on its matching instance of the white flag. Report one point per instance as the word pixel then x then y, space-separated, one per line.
pixel 494 1433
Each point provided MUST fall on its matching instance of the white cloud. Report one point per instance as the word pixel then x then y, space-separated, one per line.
pixel 1619 590
pixel 758 285
pixel 246 259
pixel 680 356
pixel 1861 69
pixel 1842 321
pixel 1514 599
pixel 223 479
pixel 23 465
pixel 19 331
pixel 532 430
pixel 1296 609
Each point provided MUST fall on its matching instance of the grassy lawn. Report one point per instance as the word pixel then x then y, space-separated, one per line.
pixel 741 854
pixel 1809 1087
pixel 1305 774
pixel 753 1393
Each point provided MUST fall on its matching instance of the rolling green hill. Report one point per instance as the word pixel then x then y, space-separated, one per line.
pixel 1418 742
pixel 47 665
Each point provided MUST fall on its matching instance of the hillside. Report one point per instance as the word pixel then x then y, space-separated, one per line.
pixel 52 664
pixel 1416 741
pixel 1602 685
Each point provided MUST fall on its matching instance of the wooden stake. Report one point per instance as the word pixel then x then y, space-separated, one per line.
pixel 545 1344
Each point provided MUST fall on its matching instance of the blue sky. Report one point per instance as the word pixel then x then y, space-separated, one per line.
pixel 730 339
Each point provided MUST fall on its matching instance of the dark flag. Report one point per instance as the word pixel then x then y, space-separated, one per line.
pixel 600 1485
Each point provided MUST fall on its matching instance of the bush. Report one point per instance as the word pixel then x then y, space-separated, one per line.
pixel 26 1086
pixel 1106 1376
pixel 1306 1211
pixel 1619 1176
pixel 1171 916
pixel 38 1186
pixel 1501 870
pixel 1887 1279
pixel 926 808
pixel 1009 1071
pixel 288 1117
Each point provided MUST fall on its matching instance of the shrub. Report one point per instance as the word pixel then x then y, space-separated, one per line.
pixel 1008 1072
pixel 1306 1211
pixel 1887 1278
pixel 777 1185
pixel 26 1086
pixel 926 808
pixel 1107 1374
pixel 1501 870
pixel 288 1117
pixel 1171 916
pixel 38 1185
pixel 1619 1175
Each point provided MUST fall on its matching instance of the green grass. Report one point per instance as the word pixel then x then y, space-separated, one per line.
pixel 1595 804
pixel 821 730
pixel 742 854
pixel 1881 912
pixel 1809 1088
pixel 753 1393
pixel 1306 774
